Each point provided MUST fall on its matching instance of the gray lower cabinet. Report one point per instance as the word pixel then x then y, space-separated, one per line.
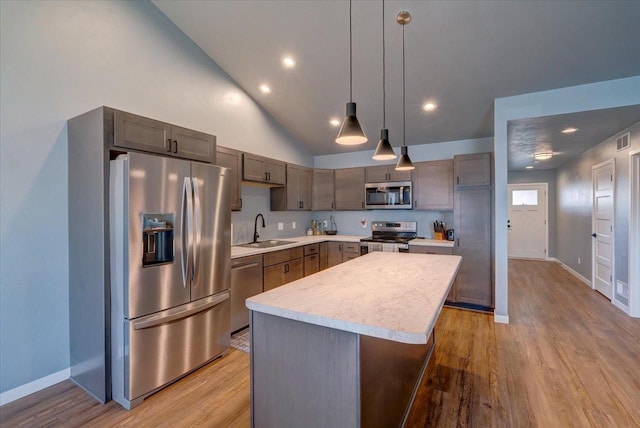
pixel 334 253
pixel 433 185
pixel 349 189
pixel 281 267
pixel 474 283
pixel 322 198
pixel 421 249
pixel 141 133
pixel 232 159
pixel 323 255
pixel 311 259
pixel 350 250
pixel 246 281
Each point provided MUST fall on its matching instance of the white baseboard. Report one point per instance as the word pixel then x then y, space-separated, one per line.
pixel 35 386
pixel 501 319
pixel 621 306
pixel 576 274
pixel 552 259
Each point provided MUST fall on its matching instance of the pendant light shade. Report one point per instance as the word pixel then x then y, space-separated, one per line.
pixel 351 132
pixel 404 162
pixel 384 151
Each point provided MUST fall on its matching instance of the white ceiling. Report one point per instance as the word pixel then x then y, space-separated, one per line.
pixel 462 54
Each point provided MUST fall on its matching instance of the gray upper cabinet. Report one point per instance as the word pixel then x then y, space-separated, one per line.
pixel 433 185
pixel 375 174
pixel 472 170
pixel 262 169
pixel 322 190
pixel 349 189
pixel 232 159
pixel 298 188
pixel 140 133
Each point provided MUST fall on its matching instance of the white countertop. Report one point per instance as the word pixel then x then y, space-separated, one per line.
pixel 237 251
pixel 393 296
pixel 431 243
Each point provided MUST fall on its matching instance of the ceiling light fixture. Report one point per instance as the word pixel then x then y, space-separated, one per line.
pixel 429 106
pixel 404 162
pixel 351 132
pixel 384 151
pixel 543 155
pixel 288 61
pixel 569 130
pixel 265 88
pixel 529 167
pixel 334 122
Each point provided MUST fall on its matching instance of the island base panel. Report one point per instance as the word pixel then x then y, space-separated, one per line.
pixel 313 376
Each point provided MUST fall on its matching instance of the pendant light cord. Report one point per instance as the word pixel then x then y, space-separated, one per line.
pixel 350 57
pixel 404 130
pixel 384 92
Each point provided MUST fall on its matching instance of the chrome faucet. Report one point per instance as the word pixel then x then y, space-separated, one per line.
pixel 255 228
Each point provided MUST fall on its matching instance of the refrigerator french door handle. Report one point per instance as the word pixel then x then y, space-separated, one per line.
pixel 187 232
pixel 157 319
pixel 198 226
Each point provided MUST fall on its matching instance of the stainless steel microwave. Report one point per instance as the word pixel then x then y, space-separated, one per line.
pixel 388 196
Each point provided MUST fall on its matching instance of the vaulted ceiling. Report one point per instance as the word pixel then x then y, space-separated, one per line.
pixel 459 54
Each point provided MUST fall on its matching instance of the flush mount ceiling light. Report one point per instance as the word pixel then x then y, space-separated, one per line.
pixel 334 122
pixel 404 162
pixel 429 106
pixel 543 155
pixel 351 132
pixel 288 61
pixel 265 88
pixel 529 167
pixel 569 130
pixel 384 151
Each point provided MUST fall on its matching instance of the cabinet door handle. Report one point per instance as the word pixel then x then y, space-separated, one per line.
pixel 268 176
pixel 286 268
pixel 331 205
pixel 169 145
pixel 175 146
pixel 362 204
pixel 240 201
pixel 415 203
pixel 458 179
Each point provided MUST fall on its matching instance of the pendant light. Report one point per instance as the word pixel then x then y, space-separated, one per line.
pixel 404 162
pixel 384 151
pixel 351 132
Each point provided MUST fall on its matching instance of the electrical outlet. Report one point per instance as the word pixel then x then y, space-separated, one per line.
pixel 325 223
pixel 578 260
pixel 280 226
pixel 293 225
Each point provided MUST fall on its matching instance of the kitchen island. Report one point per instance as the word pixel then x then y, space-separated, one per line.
pixel 347 346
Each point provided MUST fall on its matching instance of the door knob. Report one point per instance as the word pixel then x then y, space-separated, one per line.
pixel 594 235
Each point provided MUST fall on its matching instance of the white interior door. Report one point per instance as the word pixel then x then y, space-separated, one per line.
pixel 527 223
pixel 602 222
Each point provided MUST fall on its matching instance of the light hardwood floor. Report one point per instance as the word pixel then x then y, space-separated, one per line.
pixel 568 359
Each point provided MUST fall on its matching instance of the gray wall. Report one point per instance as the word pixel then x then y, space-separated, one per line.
pixel 60 59
pixel 574 206
pixel 543 176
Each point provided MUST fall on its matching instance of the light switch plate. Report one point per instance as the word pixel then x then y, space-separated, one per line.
pixel 293 225
pixel 280 226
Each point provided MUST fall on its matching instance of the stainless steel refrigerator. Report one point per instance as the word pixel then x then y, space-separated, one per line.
pixel 170 259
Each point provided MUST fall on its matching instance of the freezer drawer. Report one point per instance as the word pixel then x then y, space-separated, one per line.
pixel 170 344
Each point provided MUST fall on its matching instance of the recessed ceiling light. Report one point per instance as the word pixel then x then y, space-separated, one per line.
pixel 543 155
pixel 529 167
pixel 334 122
pixel 265 88
pixel 288 61
pixel 429 106
pixel 569 130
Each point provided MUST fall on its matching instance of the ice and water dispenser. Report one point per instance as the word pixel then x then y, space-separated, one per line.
pixel 157 237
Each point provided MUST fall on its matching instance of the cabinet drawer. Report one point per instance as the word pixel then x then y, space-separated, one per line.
pixel 282 256
pixel 351 247
pixel 419 249
pixel 311 249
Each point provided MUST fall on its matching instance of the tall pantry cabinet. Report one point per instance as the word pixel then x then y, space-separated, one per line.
pixel 473 202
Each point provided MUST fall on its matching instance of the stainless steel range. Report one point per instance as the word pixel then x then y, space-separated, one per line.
pixel 389 236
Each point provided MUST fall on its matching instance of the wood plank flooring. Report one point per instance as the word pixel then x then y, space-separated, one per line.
pixel 568 359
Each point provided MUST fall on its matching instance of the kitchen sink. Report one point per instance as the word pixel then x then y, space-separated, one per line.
pixel 266 244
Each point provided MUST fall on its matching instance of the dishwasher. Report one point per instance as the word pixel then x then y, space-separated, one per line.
pixel 246 281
